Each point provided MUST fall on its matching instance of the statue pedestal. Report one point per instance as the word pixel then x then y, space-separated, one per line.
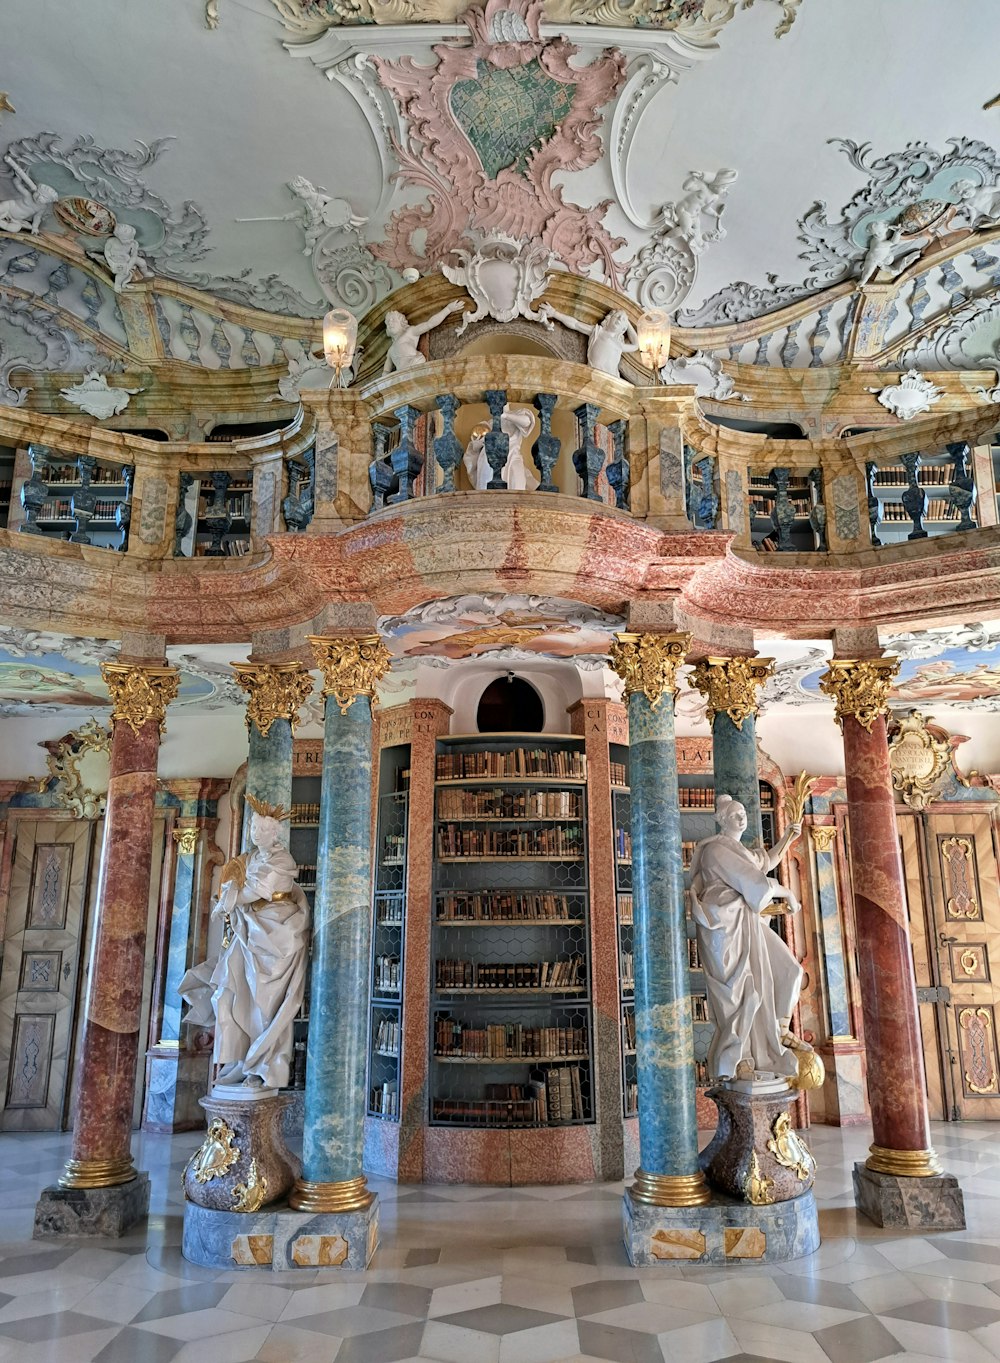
pixel 243 1163
pixel 756 1156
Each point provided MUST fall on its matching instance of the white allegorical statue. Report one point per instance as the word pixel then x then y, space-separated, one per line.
pixel 404 336
pixel 28 210
pixel 607 340
pixel 751 977
pixel 886 251
pixel 517 423
pixel 258 981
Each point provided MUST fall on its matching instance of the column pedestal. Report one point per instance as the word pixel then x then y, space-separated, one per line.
pixel 91 1211
pixel 722 1232
pixel 281 1240
pixel 898 1202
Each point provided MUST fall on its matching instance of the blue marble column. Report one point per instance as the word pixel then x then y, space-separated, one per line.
pixel 269 771
pixel 730 687
pixel 668 1137
pixel 275 692
pixel 181 913
pixel 333 1134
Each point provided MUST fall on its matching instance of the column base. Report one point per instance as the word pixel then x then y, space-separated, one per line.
pixel 277 1239
pixel 722 1232
pixel 91 1211
pixel 900 1202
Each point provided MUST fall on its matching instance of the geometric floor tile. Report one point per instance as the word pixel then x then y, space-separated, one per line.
pixel 500 1319
pixel 857 1341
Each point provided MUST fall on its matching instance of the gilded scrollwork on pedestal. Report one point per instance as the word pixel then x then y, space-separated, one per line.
pixel 730 685
pixel 216 1155
pixel 758 1188
pixel 139 693
pixel 275 691
pixel 351 667
pixel 918 760
pixel 648 663
pixel 250 1196
pixel 859 687
pixel 789 1150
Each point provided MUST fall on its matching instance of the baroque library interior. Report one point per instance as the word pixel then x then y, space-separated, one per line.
pixel 536 905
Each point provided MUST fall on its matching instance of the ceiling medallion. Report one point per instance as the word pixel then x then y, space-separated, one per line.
pixel 86 216
pixel 487 129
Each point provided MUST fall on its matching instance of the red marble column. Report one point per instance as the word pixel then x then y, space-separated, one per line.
pixel 102 1117
pixel 896 1080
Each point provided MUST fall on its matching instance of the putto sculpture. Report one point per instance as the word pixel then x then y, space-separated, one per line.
pixel 607 340
pixel 27 211
pixel 123 258
pixel 404 336
pixel 257 982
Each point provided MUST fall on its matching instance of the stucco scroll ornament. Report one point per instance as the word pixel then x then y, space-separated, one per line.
pixel 918 760
pixel 503 277
pixel 275 690
pixel 859 687
pixel 79 766
pixel 909 397
pixel 350 667
pixel 665 269
pixel 139 694
pixel 706 373
pixel 26 211
pixel 648 663
pixel 94 396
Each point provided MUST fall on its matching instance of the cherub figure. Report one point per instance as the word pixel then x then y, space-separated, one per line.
pixel 607 340
pixel 28 210
pixel 320 212
pixel 704 197
pixel 977 205
pixel 123 257
pixel 885 252
pixel 404 336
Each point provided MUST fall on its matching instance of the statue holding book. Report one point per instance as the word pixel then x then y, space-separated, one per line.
pixel 257 983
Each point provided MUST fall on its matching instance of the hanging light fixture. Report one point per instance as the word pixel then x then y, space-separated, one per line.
pixel 340 335
pixel 653 332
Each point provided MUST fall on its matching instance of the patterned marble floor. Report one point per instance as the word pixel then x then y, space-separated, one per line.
pixel 481 1275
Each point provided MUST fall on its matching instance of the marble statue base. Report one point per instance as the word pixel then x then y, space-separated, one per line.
pixel 890 1200
pixel 91 1211
pixel 278 1239
pixel 724 1231
pixel 756 1155
pixel 243 1163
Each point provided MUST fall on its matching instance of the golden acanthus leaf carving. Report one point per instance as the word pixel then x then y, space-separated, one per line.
pixel 216 1155
pixel 648 663
pixel 139 694
pixel 758 1189
pixel 186 840
pixel 859 687
pixel 351 667
pixel 275 690
pixel 250 1196
pixel 824 836
pixel 789 1150
pixel 730 685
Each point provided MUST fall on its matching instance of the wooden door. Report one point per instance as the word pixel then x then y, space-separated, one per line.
pixel 965 907
pixel 39 980
pixel 930 997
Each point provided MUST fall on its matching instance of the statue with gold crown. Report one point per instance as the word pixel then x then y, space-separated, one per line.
pixel 257 983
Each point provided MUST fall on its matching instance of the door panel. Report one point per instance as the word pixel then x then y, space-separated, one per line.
pixel 924 963
pixel 966 909
pixel 39 978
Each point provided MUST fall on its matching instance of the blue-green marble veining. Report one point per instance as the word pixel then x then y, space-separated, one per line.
pixel 177 945
pixel 734 762
pixel 333 1135
pixel 668 1141
pixel 269 769
pixel 837 1005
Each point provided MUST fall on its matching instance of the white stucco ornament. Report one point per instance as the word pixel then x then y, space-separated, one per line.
pixel 93 396
pixel 304 372
pixel 909 397
pixel 705 372
pixel 26 211
pixel 123 258
pixel 503 277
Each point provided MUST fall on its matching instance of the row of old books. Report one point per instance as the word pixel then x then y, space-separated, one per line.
pixel 566 974
pixel 388 975
pixel 498 906
pixel 507 1040
pixel 509 804
pixel 305 813
pixel 383 1100
pixel 555 1098
pixel 938 509
pixel 512 764
pixel 619 776
pixel 558 841
pixel 387 1036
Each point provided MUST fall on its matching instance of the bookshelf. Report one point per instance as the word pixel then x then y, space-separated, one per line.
pixel 388 931
pixel 80 499
pixel 214 514
pixel 785 511
pixel 510 1015
pixel 895 489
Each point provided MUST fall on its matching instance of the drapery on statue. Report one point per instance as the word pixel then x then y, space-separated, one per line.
pixel 752 979
pixel 257 983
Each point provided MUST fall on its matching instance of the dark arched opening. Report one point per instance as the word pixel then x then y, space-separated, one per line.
pixel 510 705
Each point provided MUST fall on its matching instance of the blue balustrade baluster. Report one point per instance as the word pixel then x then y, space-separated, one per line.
pixel 123 511
pixel 817 512
pixel 874 505
pixel 34 491
pixel 914 498
pixel 545 450
pixel 962 488
pixel 297 508
pixel 217 514
pixel 183 520
pixel 784 512
pixel 704 499
pixel 497 442
pixel 447 446
pixel 588 459
pixel 618 470
pixel 380 473
pixel 83 502
pixel 406 459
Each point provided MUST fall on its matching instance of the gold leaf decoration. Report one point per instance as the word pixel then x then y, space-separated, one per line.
pixel 648 663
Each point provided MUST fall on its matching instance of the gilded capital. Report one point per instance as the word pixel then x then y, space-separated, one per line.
pixel 730 685
pixel 186 839
pixel 139 694
pixel 351 667
pixel 648 663
pixel 859 687
pixel 823 835
pixel 275 690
